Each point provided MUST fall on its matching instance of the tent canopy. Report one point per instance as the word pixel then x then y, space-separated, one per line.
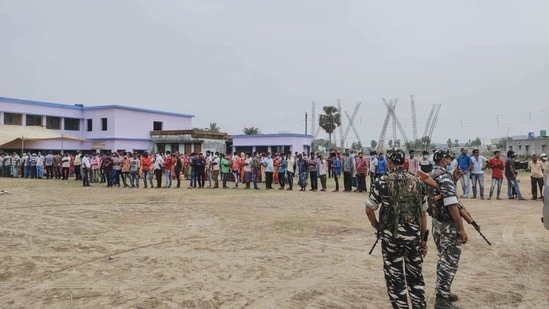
pixel 12 133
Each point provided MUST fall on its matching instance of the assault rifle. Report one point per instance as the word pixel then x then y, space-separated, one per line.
pixel 378 236
pixel 462 210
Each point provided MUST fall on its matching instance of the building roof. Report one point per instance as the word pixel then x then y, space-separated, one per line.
pixel 272 135
pixel 11 133
pixel 82 107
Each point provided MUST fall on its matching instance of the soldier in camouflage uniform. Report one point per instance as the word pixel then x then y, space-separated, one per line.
pixel 448 230
pixel 400 197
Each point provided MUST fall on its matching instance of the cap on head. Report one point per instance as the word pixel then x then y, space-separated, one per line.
pixel 543 155
pixel 441 154
pixel 396 155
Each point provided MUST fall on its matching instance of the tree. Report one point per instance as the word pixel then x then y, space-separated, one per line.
pixel 373 144
pixel 476 142
pixel 356 146
pixel 330 120
pixel 449 143
pixel 396 143
pixel 390 142
pixel 213 128
pixel 251 131
pixel 501 143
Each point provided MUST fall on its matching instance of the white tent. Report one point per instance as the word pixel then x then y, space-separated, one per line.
pixel 14 136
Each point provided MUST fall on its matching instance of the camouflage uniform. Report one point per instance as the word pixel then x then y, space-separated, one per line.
pixel 400 196
pixel 445 232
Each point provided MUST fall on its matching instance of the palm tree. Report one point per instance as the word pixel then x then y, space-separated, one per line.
pixel 251 131
pixel 213 127
pixel 330 120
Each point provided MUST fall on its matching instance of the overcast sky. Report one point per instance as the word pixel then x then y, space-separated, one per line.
pixel 243 63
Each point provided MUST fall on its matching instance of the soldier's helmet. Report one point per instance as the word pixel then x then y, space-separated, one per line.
pixel 396 155
pixel 441 154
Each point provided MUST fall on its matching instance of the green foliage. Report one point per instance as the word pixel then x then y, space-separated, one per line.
pixel 373 144
pixel 213 128
pixel 330 120
pixel 251 131
pixel 357 146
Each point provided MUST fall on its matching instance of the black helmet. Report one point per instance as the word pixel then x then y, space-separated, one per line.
pixel 442 153
pixel 396 155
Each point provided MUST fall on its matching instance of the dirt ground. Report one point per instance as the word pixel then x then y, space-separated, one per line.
pixel 203 248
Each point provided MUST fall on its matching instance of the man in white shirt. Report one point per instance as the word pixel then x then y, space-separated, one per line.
pixel 477 173
pixel 86 166
pixel 157 165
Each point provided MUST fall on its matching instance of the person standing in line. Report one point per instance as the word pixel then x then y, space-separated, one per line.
pixel 157 165
pixel 146 170
pixel 301 165
pixel 169 161
pixel 361 171
pixel 400 198
pixel 78 166
pixel 86 167
pixel 497 166
pixel 336 163
pixel 424 164
pixel 125 169
pixel 322 167
pixel 536 176
pixel 135 164
pixel 465 165
pixel 543 158
pixel 413 163
pixel 290 170
pixel 225 169
pixel 107 166
pixel 477 173
pixel 381 165
pixel 347 171
pixel 448 229
pixel 256 169
pixel 66 163
pixel 282 166
pixel 178 168
pixel 511 175
pixel 268 164
pixel 313 173
pixel 248 170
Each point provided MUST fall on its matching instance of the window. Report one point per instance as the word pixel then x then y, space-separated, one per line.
pixel 527 148
pixel 53 123
pixel 510 147
pixel 34 120
pixel 14 119
pixel 544 148
pixel 103 124
pixel 72 124
pixel 157 125
pixel 90 124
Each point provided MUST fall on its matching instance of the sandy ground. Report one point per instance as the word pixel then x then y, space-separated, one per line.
pixel 182 248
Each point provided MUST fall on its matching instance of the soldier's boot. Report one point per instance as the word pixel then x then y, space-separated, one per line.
pixel 452 298
pixel 443 303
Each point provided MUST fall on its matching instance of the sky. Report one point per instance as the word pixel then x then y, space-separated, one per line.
pixel 246 63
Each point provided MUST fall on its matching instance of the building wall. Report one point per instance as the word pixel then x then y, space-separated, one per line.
pixel 296 142
pixel 128 128
pixel 527 147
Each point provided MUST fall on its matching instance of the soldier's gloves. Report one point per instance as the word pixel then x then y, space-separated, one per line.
pixel 378 227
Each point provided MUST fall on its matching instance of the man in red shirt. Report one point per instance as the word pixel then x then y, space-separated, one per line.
pixel 169 162
pixel 146 169
pixel 361 172
pixel 497 165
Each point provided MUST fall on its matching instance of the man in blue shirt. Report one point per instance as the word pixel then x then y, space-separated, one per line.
pixel 465 165
pixel 381 164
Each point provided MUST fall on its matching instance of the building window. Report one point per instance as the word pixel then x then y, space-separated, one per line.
pixel 527 148
pixel 34 120
pixel 72 124
pixel 544 148
pixel 510 147
pixel 157 125
pixel 53 123
pixel 14 119
pixel 103 124
pixel 90 124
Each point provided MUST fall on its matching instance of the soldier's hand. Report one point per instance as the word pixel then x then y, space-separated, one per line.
pixel 463 237
pixel 423 246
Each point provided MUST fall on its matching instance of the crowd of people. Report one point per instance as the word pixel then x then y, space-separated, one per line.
pixel 246 170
